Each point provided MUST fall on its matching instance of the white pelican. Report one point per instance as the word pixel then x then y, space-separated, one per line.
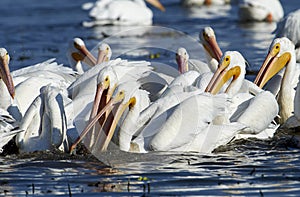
pixel 289 27
pixel 258 10
pixel 104 53
pixel 44 125
pixel 131 113
pixel 213 52
pixel 122 12
pixel 31 79
pixel 78 53
pixel 185 63
pixel 192 3
pixel 104 78
pixel 255 112
pixel 7 87
pixel 281 56
pixel 8 128
pixel 205 70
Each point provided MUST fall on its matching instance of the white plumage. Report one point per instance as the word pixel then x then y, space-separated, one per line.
pixel 281 57
pixel 121 12
pixel 258 10
pixel 44 125
pixel 290 27
pixel 255 112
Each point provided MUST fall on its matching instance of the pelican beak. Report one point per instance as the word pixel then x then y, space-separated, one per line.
pixel 93 121
pixel 182 63
pixel 5 75
pixel 212 47
pixel 157 4
pixel 106 133
pixel 113 123
pixel 271 66
pixel 222 75
pixel 84 55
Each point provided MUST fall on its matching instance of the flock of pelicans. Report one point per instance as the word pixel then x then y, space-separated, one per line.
pixel 138 108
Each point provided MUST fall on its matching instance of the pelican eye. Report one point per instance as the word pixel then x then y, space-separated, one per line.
pixel 107 48
pixel 227 59
pixel 106 79
pixel 76 45
pixel 276 49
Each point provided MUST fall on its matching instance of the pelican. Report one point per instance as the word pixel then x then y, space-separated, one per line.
pixel 105 77
pixel 213 52
pixel 104 53
pixel 78 53
pixel 156 124
pixel 192 3
pixel 122 12
pixel 281 56
pixel 205 70
pixel 30 79
pixel 289 27
pixel 185 63
pixel 44 125
pixel 255 112
pixel 257 10
pixel 7 87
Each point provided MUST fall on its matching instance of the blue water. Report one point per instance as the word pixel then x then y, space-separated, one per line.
pixel 35 30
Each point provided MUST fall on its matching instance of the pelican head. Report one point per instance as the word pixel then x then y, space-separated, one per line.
pixel 182 58
pixel 209 42
pixel 104 53
pixel 232 66
pixel 79 52
pixel 123 98
pixel 279 56
pixel 5 73
pixel 157 4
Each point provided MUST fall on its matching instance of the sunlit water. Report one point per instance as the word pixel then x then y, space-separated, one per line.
pixel 34 31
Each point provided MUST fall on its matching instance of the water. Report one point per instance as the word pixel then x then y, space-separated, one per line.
pixel 39 30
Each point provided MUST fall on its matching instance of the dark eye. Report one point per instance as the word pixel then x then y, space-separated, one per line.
pixel 227 59
pixel 277 47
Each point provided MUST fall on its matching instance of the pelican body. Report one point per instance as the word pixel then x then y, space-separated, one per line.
pixel 257 10
pixel 255 112
pixel 281 58
pixel 123 12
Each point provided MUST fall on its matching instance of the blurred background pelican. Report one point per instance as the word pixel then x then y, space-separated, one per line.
pixel 121 12
pixel 257 10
